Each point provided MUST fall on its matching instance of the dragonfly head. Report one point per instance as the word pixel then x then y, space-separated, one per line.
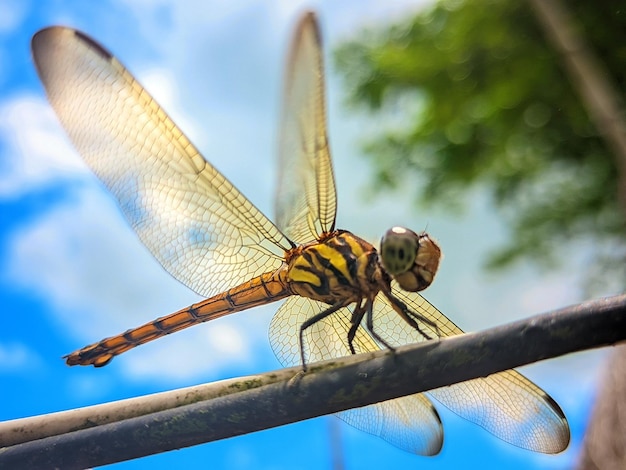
pixel 410 258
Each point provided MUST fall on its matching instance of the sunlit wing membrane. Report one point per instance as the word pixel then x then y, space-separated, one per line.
pixel 193 220
pixel 209 236
pixel 410 423
pixel 306 201
pixel 506 404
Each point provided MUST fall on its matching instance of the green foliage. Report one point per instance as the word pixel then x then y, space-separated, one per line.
pixel 492 106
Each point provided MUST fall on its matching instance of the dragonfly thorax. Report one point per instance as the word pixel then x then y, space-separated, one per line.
pixel 339 268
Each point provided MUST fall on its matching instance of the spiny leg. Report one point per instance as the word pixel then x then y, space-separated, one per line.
pixel 311 321
pixel 411 317
pixel 417 317
pixel 355 321
pixel 369 322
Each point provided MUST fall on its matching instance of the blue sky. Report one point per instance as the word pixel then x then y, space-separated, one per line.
pixel 72 271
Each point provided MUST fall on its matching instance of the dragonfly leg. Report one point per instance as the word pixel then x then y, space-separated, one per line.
pixel 311 321
pixel 369 322
pixel 417 317
pixel 411 317
pixel 355 321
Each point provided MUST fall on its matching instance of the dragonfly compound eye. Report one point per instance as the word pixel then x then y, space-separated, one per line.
pixel 411 259
pixel 398 249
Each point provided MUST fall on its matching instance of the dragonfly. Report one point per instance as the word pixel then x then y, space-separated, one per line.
pixel 341 294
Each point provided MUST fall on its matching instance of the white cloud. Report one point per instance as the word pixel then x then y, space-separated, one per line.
pixel 93 386
pixel 17 357
pixel 38 151
pixel 100 281
pixel 225 65
pixel 91 268
pixel 202 351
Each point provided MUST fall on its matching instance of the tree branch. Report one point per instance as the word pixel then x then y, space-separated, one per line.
pixel 240 406
pixel 590 78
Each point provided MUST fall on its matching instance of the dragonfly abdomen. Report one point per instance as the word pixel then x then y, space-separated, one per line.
pixel 338 268
pixel 262 289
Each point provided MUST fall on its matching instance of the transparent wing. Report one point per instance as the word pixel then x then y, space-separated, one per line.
pixel 410 423
pixel 306 201
pixel 506 404
pixel 193 220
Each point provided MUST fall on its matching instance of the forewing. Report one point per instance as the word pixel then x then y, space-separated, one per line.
pixel 306 201
pixel 410 423
pixel 506 404
pixel 193 220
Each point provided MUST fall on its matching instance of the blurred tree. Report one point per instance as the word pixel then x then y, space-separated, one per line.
pixel 476 96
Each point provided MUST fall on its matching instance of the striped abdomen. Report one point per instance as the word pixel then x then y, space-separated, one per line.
pixel 263 289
